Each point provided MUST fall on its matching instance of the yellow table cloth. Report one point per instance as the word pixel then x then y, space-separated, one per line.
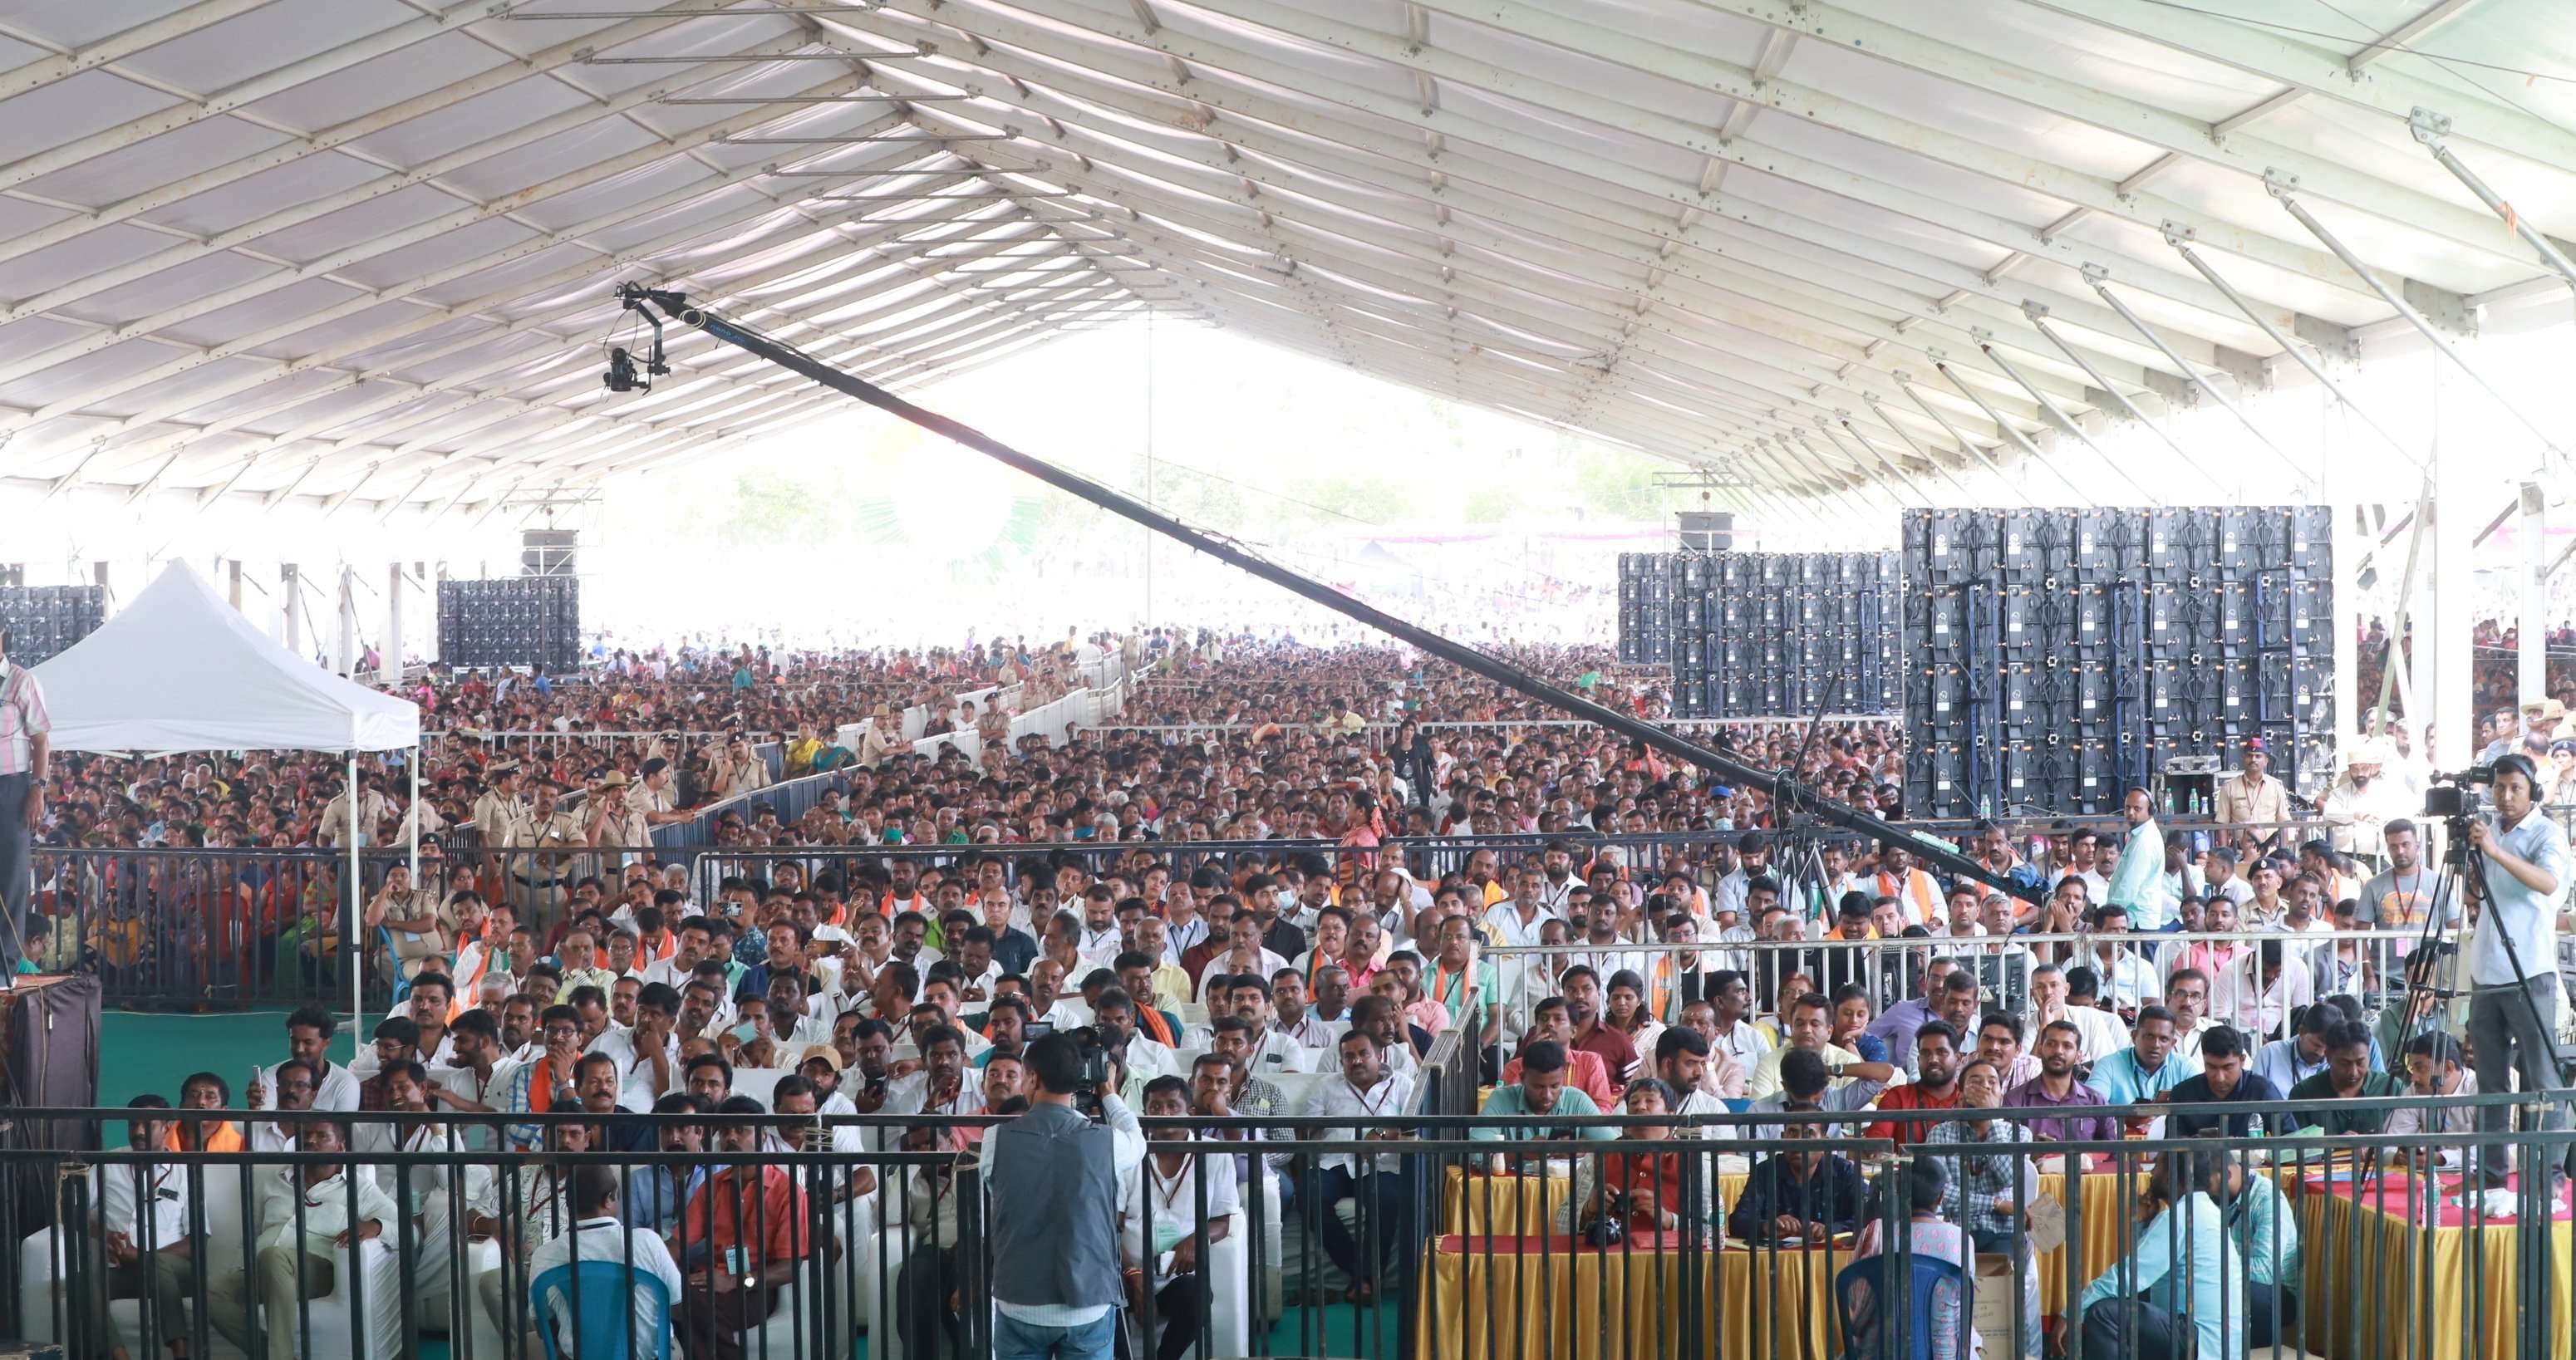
pixel 1516 1300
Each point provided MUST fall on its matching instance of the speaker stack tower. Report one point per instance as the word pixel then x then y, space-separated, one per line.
pixel 45 620
pixel 527 621
pixel 1753 635
pixel 2057 657
pixel 1645 613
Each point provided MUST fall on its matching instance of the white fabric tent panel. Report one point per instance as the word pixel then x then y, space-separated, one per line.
pixel 263 39
pixel 172 155
pixel 117 690
pixel 414 69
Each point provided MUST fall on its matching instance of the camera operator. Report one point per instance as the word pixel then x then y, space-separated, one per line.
pixel 1054 1178
pixel 2513 1011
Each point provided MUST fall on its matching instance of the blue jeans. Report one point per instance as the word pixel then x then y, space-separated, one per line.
pixel 1017 1340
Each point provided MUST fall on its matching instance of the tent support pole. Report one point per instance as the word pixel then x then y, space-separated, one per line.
pixel 2181 242
pixel 2064 421
pixel 2100 279
pixel 2029 450
pixel 350 953
pixel 2281 191
pixel 2039 319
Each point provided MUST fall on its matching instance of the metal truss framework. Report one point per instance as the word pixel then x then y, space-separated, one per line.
pixel 1859 251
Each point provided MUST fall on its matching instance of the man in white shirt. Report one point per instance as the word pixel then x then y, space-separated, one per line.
pixel 600 1234
pixel 1364 1090
pixel 143 1221
pixel 308 1039
pixel 940 1087
pixel 288 1267
pixel 2099 1033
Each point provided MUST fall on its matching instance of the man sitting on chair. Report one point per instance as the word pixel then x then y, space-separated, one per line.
pixel 601 1234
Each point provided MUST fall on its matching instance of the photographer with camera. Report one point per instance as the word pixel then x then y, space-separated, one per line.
pixel 2513 1010
pixel 1053 1177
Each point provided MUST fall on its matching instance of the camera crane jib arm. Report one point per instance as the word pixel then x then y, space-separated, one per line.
pixel 1786 793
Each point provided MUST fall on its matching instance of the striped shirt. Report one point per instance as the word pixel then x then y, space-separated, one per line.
pixel 22 719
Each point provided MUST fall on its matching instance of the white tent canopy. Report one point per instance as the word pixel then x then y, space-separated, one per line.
pixel 359 251
pixel 179 669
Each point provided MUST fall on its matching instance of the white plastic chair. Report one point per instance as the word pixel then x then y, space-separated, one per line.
pixel 380 1329
pixel 41 1267
pixel 794 1310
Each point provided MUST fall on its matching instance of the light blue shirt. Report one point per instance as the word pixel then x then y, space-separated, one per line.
pixel 2138 883
pixel 1513 1100
pixel 2530 918
pixel 2123 1082
pixel 2281 1063
pixel 2186 1248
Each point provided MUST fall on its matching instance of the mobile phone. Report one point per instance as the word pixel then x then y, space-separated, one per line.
pixel 746 1031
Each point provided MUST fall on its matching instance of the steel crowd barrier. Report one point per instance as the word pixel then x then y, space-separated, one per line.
pixel 1779 1235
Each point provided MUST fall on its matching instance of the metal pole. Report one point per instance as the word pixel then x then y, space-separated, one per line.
pixel 2039 318
pixel 1794 796
pixel 351 955
pixel 2450 702
pixel 292 598
pixel 2280 189
pixel 1919 450
pixel 1907 383
pixel 390 653
pixel 1149 462
pixel 2430 128
pixel 2531 665
pixel 2095 275
pixel 2394 670
pixel 2029 450
pixel 1920 491
pixel 2049 404
pixel 1876 485
pixel 2182 244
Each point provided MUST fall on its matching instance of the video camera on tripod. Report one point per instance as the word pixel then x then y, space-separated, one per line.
pixel 2453 799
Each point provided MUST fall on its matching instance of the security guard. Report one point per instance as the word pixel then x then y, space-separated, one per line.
pixel 542 878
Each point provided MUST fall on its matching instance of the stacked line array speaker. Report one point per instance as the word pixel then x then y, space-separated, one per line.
pixel 1645 617
pixel 1757 635
pixel 530 621
pixel 45 620
pixel 2057 657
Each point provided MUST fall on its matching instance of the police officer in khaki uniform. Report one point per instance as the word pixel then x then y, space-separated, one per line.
pixel 613 822
pixel 373 808
pixel 539 879
pixel 501 814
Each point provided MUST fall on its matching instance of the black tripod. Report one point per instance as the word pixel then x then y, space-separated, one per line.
pixel 2467 866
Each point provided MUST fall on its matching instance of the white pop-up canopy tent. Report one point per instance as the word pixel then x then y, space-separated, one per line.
pixel 179 669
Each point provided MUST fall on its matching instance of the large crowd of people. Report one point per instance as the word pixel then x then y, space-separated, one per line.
pixel 1642 939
